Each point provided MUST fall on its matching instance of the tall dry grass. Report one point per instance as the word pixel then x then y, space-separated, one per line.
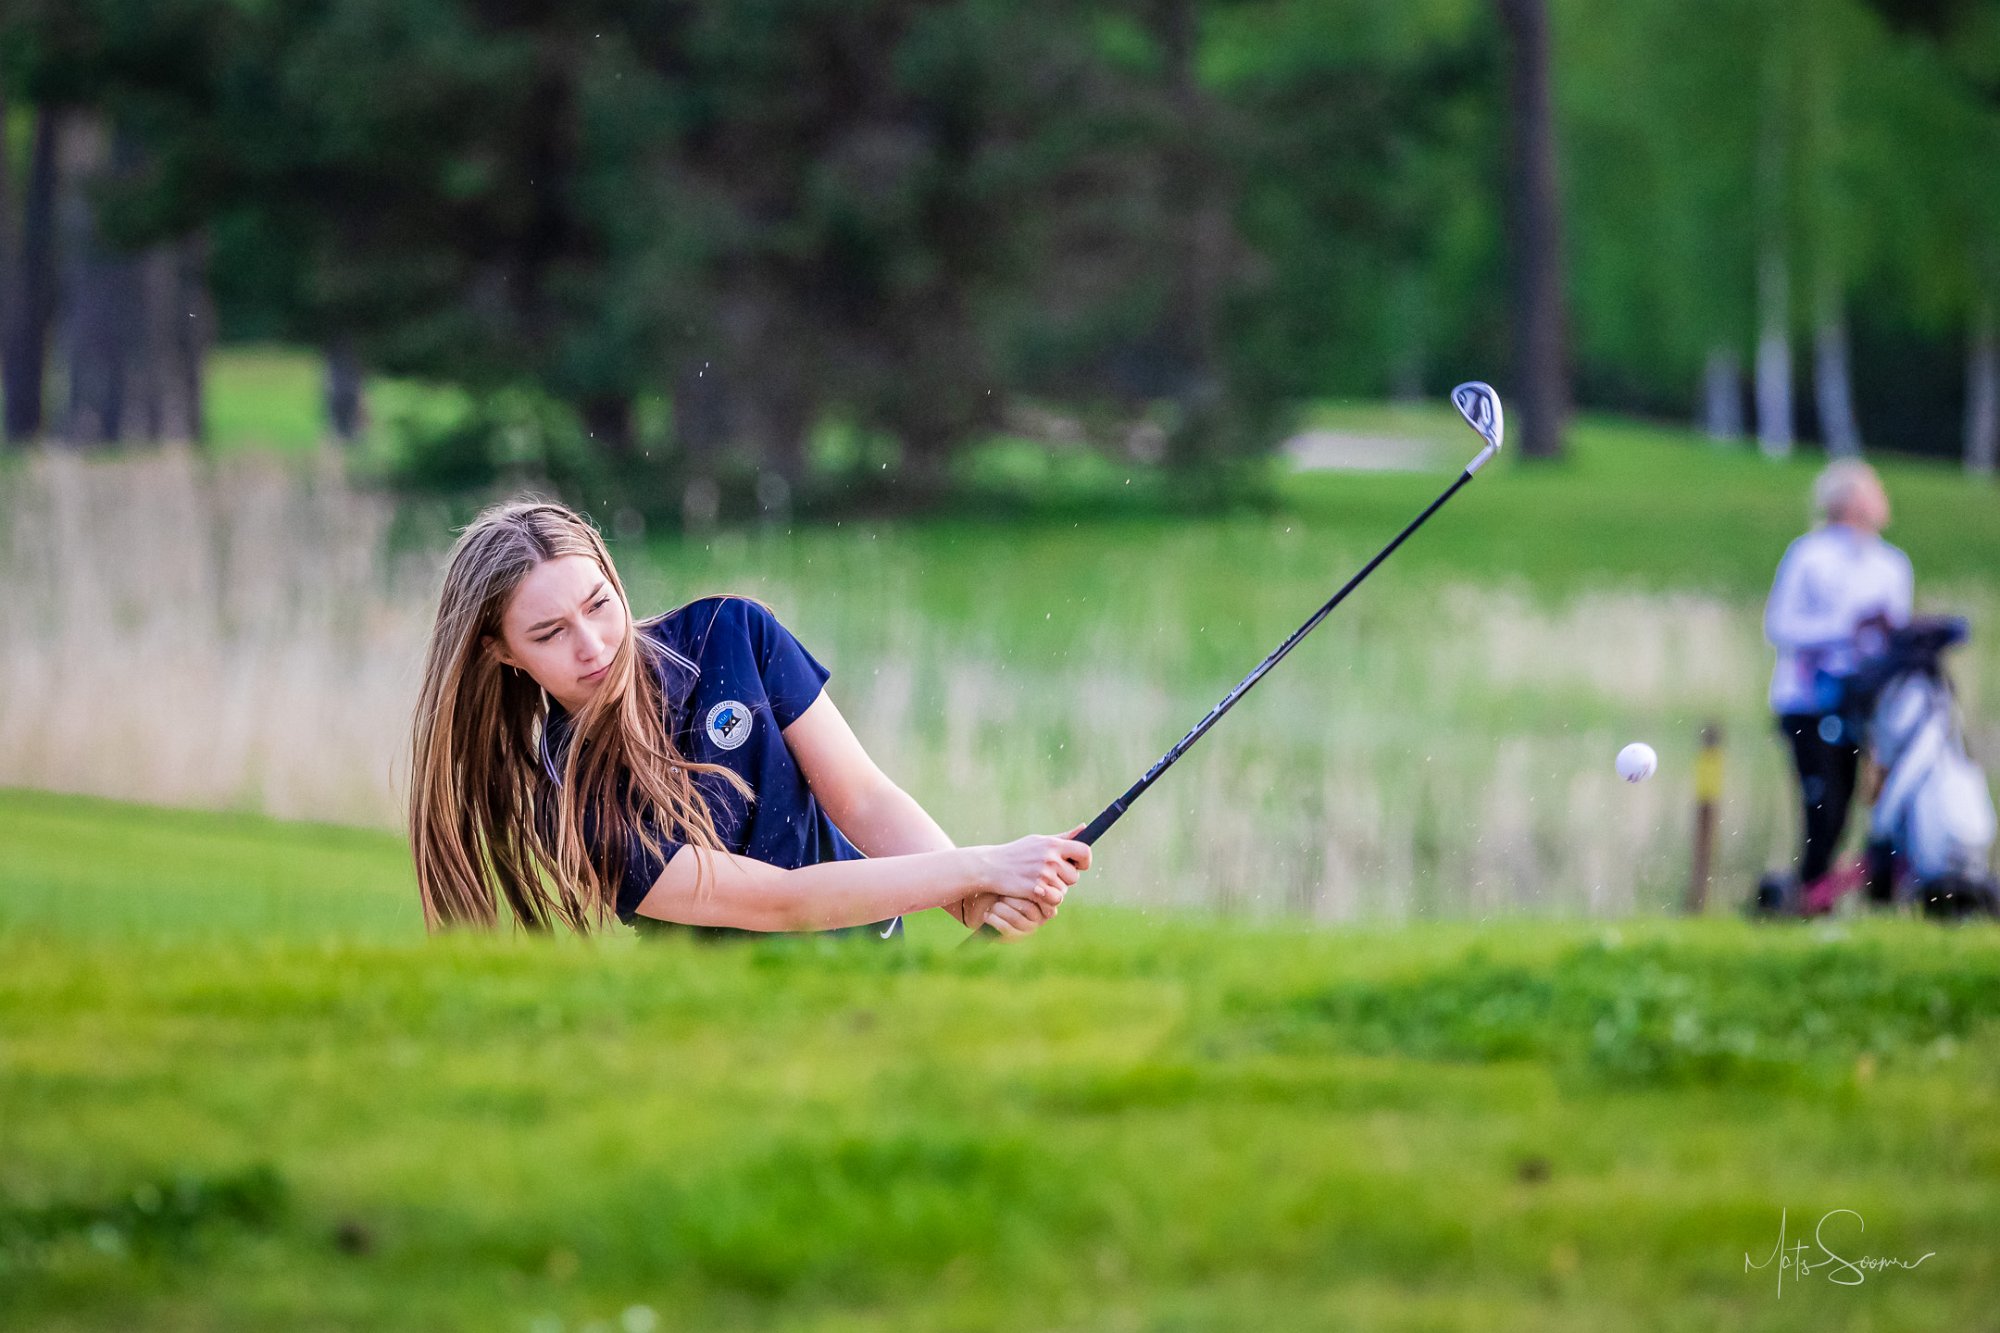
pixel 216 636
pixel 244 636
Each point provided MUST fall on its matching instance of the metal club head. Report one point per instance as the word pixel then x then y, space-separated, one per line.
pixel 1480 407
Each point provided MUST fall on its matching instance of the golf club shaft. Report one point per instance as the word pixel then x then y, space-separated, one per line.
pixel 1480 406
pixel 1113 812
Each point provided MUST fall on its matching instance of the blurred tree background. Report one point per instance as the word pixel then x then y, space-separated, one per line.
pixel 782 252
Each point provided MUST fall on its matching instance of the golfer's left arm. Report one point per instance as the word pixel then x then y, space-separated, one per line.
pixel 877 816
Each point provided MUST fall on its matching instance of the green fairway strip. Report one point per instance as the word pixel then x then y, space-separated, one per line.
pixel 79 867
pixel 261 1098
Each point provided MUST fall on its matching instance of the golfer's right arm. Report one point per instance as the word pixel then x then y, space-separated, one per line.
pixel 710 888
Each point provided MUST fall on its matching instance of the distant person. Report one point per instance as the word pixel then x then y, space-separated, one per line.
pixel 715 784
pixel 1839 590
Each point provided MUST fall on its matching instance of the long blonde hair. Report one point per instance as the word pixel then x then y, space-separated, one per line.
pixel 478 791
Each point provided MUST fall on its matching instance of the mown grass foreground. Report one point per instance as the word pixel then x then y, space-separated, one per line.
pixel 239 1089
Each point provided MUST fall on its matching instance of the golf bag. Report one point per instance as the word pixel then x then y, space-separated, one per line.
pixel 1934 808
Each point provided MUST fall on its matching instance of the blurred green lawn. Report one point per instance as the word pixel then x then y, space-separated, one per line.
pixel 1654 507
pixel 1634 504
pixel 240 1090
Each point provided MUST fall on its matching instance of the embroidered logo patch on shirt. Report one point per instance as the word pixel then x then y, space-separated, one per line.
pixel 729 724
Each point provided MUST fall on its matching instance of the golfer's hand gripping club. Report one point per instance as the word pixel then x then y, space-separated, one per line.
pixel 1480 406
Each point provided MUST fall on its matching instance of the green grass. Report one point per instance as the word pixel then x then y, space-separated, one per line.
pixel 239 1089
pixel 271 398
pixel 1645 505
pixel 265 397
pixel 111 871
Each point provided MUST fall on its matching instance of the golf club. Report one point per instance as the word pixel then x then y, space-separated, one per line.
pixel 1480 407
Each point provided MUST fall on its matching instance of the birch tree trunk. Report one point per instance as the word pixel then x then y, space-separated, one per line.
pixel 1982 394
pixel 1775 431
pixel 1722 396
pixel 1776 428
pixel 1833 381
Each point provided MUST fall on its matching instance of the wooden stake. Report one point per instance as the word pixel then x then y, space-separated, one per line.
pixel 1707 795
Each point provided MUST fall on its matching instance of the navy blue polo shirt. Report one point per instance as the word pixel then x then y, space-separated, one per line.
pixel 733 678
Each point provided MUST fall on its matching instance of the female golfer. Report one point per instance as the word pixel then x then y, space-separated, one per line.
pixel 687 768
pixel 1838 591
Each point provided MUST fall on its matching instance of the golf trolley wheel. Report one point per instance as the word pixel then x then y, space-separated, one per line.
pixel 1775 896
pixel 1954 898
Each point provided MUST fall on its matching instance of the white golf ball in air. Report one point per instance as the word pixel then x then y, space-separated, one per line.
pixel 1637 761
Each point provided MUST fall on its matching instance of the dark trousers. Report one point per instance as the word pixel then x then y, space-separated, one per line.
pixel 1826 770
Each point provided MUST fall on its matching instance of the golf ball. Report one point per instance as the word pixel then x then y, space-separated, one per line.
pixel 1637 761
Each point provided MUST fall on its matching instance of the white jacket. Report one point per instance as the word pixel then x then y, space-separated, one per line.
pixel 1832 582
